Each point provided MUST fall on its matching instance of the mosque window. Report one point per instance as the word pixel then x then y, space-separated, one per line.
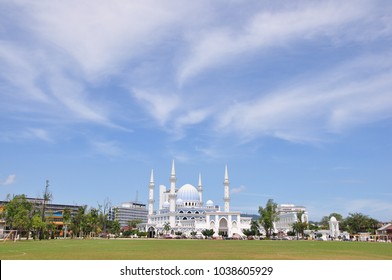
pixel 189 212
pixel 197 212
pixel 181 212
pixel 185 218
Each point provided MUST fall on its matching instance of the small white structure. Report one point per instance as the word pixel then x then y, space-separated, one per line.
pixel 182 210
pixel 334 231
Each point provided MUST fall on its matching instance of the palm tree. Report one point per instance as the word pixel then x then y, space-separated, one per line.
pixel 166 227
pixel 66 220
pixel 254 227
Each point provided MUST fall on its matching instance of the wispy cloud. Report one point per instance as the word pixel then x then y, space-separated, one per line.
pixel 159 106
pixel 107 148
pixel 27 134
pixel 240 189
pixel 9 181
pixel 330 103
pixel 267 29
pixel 63 62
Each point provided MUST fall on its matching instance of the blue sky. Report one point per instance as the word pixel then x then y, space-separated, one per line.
pixel 294 96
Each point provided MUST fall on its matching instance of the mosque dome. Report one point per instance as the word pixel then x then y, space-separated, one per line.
pixel 333 219
pixel 179 202
pixel 166 204
pixel 188 193
pixel 209 203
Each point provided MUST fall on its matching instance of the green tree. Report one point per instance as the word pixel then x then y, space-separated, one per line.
pixel 38 225
pixel 114 227
pixel 166 227
pixel 133 223
pixel 268 216
pixel 78 222
pixel 254 227
pixel 358 222
pixel 324 223
pixel 248 232
pixel 103 215
pixel 66 220
pixel 92 221
pixel 19 213
pixel 300 225
pixel 208 232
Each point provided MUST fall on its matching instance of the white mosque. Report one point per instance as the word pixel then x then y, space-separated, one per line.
pixel 183 210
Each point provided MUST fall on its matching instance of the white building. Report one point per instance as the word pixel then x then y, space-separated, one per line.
pixel 128 211
pixel 184 210
pixel 287 214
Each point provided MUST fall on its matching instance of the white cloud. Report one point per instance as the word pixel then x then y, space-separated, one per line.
pixel 72 96
pixel 159 106
pixel 329 103
pixel 38 133
pixel 240 189
pixel 10 180
pixel 17 68
pixel 29 134
pixel 100 36
pixel 107 148
pixel 67 53
pixel 269 29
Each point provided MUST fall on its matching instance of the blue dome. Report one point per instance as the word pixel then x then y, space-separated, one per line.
pixel 188 193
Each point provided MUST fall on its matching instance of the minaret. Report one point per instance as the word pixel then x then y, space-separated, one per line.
pixel 172 196
pixel 226 184
pixel 200 189
pixel 151 197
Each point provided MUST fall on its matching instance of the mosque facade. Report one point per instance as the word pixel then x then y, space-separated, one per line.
pixel 183 210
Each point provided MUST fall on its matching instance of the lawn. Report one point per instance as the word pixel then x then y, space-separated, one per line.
pixel 143 249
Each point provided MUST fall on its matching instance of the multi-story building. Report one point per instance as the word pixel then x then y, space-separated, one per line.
pixel 53 212
pixel 288 215
pixel 128 211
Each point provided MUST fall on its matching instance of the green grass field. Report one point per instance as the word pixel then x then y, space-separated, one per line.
pixel 140 249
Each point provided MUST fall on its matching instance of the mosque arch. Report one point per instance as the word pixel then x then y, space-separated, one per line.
pixel 212 225
pixel 151 232
pixel 223 227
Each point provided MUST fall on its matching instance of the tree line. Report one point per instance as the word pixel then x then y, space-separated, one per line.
pixel 28 217
pixel 353 223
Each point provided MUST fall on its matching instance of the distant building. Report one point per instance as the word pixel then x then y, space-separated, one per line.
pixel 53 212
pixel 128 211
pixel 385 232
pixel 287 214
